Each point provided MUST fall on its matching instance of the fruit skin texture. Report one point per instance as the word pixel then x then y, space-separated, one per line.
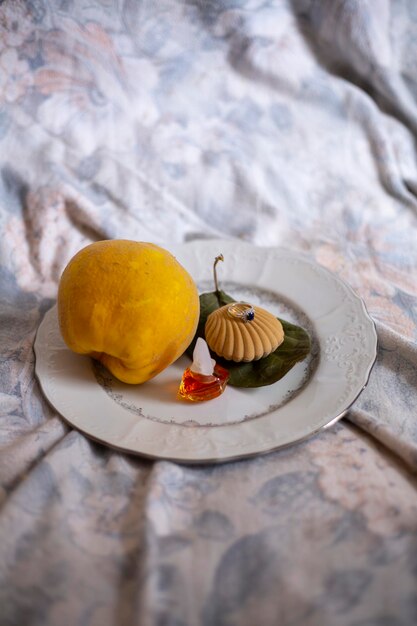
pixel 128 304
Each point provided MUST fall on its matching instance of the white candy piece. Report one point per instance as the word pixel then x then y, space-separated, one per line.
pixel 202 361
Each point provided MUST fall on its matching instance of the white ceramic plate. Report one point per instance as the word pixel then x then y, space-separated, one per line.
pixel 150 420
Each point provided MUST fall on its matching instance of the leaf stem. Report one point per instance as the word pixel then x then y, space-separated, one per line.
pixel 218 258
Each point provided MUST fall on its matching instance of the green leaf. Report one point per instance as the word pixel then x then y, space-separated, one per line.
pixel 209 302
pixel 295 347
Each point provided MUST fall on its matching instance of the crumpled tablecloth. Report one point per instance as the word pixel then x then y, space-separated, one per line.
pixel 288 123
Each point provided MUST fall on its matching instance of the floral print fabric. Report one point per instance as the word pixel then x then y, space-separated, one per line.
pixel 287 123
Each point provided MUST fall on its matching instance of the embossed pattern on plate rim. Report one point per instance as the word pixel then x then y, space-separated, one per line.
pixel 203 455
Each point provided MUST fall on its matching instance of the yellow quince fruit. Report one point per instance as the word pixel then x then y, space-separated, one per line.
pixel 128 304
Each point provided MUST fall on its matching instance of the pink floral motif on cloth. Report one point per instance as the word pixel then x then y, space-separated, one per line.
pixel 285 124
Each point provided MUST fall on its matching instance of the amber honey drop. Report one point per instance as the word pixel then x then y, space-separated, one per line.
pixel 199 387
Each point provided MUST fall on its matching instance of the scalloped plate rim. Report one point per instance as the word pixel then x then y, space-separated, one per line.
pixel 186 248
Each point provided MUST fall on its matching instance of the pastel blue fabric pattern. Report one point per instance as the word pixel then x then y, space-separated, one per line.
pixel 281 123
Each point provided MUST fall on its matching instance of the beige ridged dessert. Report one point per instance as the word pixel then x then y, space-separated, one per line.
pixel 243 337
